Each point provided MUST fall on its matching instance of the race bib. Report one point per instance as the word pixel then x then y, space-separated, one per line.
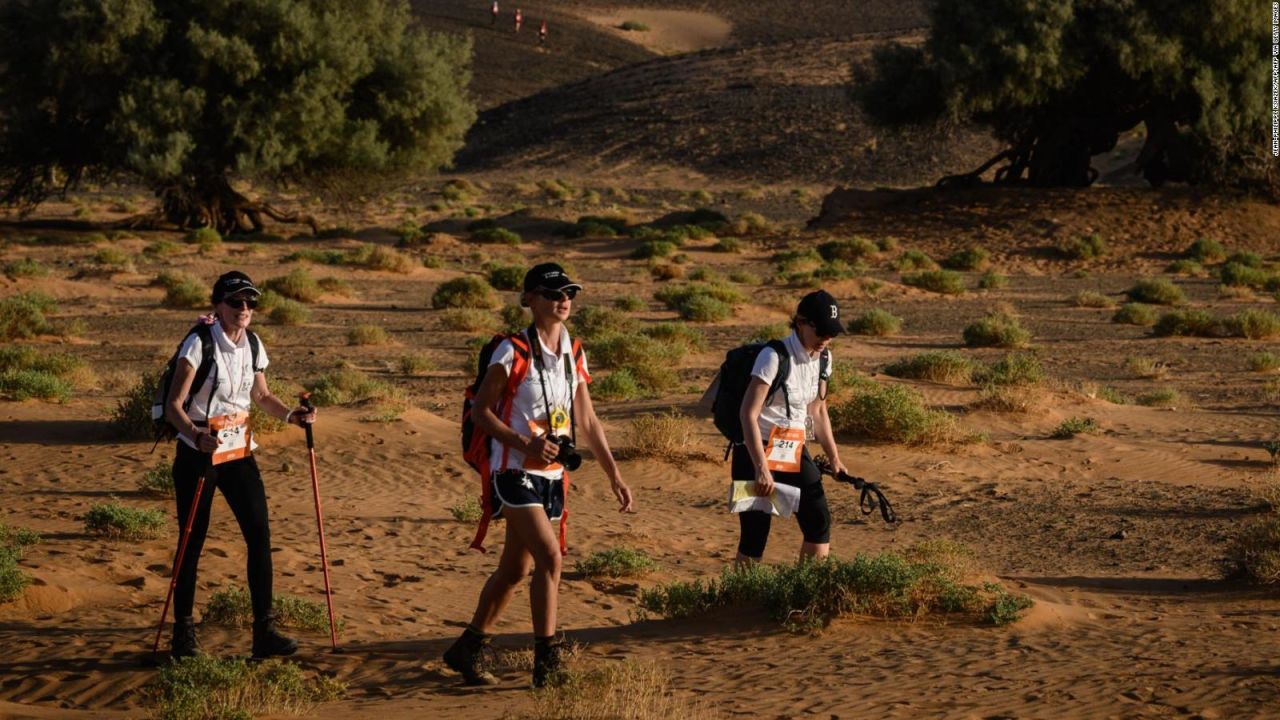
pixel 538 428
pixel 782 453
pixel 234 437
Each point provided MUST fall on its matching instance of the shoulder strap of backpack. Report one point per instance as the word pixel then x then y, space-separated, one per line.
pixel 784 373
pixel 824 367
pixel 205 333
pixel 255 346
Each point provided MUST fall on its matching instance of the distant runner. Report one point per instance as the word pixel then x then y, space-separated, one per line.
pixel 519 19
pixel 542 33
pixel 493 13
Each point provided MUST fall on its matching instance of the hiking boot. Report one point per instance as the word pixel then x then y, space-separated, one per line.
pixel 268 642
pixel 548 660
pixel 184 643
pixel 467 656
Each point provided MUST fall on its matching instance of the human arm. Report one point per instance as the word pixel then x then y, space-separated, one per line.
pixel 749 415
pixel 490 393
pixel 593 430
pixel 183 375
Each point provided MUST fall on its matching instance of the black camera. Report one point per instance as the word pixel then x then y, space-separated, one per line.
pixel 568 455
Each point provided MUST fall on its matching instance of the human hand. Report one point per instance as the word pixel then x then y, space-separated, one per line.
pixel 541 447
pixel 302 415
pixel 764 482
pixel 623 493
pixel 206 442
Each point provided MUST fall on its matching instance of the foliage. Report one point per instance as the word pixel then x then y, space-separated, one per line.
pixel 1073 426
pixel 345 386
pixel 630 303
pixel 1082 247
pixel 158 480
pixel 1205 250
pixel 297 285
pixel 991 280
pixel 507 277
pixel 289 312
pixel 368 335
pixel 1135 314
pixel 204 687
pixel 467 291
pixel 496 235
pixel 616 563
pixel 973 259
pixel 132 417
pixel 996 330
pixel 13 541
pixel 891 413
pixel 467 510
pixel 944 366
pixel 469 320
pixel 1255 554
pixel 1091 299
pixel 915 260
pixel 877 322
pixel 947 282
pixel 25 268
pixel 1156 291
pixel 233 606
pixel 121 522
pixel 664 436
pixel 23 315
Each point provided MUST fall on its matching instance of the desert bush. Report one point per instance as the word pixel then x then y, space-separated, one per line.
pixel 616 563
pixel 727 245
pixel 203 236
pixel 947 282
pixel 1255 554
pixel 876 322
pixel 944 366
pixel 634 26
pixel 513 318
pixel 744 277
pixel 671 333
pixel 617 385
pixel 891 413
pixel 158 480
pixel 1185 266
pixel 467 291
pixel 1091 299
pixel 28 373
pixel 13 542
pixel 1009 398
pixel 1205 250
pixel 1073 426
pixel 1135 314
pixel 660 435
pixel 336 286
pixel 623 350
pixel 346 385
pixel 808 595
pixel 594 320
pixel 496 235
pixel 1012 369
pixel 368 335
pixel 23 315
pixel 233 606
pixel 1253 324
pixel 666 271
pixel 992 281
pixel 1145 367
pixel 630 303
pixel 1156 291
pixel 700 302
pixel 1193 323
pixel 1163 397
pixel 1264 362
pixel 751 223
pixel 1235 274
pixel 25 268
pixel 289 312
pixel 849 250
pixel 792 261
pixel 121 522
pixel 297 285
pixel 704 308
pixel 203 687
pixel 1247 259
pixel 132 416
pixel 27 384
pixel 469 320
pixel 915 260
pixel 627 690
pixel 507 277
pixel 765 333
pixel 1083 247
pixel 996 330
pixel 974 259
pixel 467 510
pixel 415 364
pixel 380 257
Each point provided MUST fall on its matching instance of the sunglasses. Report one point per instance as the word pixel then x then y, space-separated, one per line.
pixel 241 303
pixel 558 295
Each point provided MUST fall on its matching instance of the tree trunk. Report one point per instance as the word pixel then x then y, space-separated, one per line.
pixel 214 203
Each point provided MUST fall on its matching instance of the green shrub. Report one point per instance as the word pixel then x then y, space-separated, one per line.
pixel 765 333
pixel 1013 369
pixel 704 308
pixel 973 259
pixel 368 335
pixel 25 268
pixel 499 235
pixel 751 223
pixel 1163 397
pixel 670 333
pixel 1255 554
pixel 943 366
pixel 1185 267
pixel 850 250
pixel 1135 314
pixel 23 316
pixel 1156 291
pixel 915 260
pixel 1247 259
pixel 633 26
pixel 617 385
pixel 297 285
pixel 1235 274
pixel 1073 426
pixel 808 595
pixel 1253 324
pixel 121 522
pixel 623 350
pixel 27 384
pixel 616 563
pixel 469 320
pixel 466 510
pixel 507 277
pixel 653 249
pixel 513 318
pixel 947 282
pixel 232 606
pixel 203 687
pixel 700 302
pixel 203 236
pixel 1091 299
pixel 289 312
pixel 1083 247
pixel 1264 362
pixel 630 303
pixel 666 271
pixel 594 321
pixel 877 322
pixel 12 579
pixel 467 291
pixel 416 364
pixel 996 330
pixel 1205 250
pixel 28 373
pixel 891 413
pixel 744 277
pixel 1193 323
pixel 132 416
pixel 992 281
pixel 802 260
pixel 345 385
pixel 727 245
pixel 158 480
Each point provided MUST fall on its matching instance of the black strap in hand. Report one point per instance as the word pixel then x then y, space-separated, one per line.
pixel 871 496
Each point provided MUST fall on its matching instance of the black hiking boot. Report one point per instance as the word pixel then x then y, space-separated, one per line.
pixel 467 656
pixel 268 642
pixel 184 643
pixel 548 660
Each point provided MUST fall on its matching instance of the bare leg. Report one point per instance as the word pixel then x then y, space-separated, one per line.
pixel 512 569
pixel 742 562
pixel 540 541
pixel 814 551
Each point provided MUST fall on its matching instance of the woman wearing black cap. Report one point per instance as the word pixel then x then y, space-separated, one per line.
pixel 532 396
pixel 214 440
pixel 774 428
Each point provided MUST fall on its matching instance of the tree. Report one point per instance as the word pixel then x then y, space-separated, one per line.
pixel 189 94
pixel 1060 80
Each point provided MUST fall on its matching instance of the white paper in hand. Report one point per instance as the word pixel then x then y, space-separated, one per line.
pixel 782 502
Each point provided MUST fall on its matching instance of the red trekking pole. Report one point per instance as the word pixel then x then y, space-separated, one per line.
pixel 182 550
pixel 305 399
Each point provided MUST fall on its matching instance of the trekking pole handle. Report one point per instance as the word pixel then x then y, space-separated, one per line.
pixel 305 400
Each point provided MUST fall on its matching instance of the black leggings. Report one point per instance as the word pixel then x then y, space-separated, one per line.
pixel 241 485
pixel 813 515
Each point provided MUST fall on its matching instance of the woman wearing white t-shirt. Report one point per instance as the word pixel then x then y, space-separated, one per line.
pixel 774 428
pixel 527 481
pixel 211 421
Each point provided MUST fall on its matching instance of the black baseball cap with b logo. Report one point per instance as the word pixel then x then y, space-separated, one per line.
pixel 820 309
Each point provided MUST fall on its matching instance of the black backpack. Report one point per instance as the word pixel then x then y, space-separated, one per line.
pixel 735 376
pixel 164 430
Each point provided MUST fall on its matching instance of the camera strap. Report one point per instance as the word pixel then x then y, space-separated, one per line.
pixel 535 346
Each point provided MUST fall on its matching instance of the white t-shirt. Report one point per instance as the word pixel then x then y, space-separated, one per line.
pixel 802 385
pixel 528 411
pixel 233 368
